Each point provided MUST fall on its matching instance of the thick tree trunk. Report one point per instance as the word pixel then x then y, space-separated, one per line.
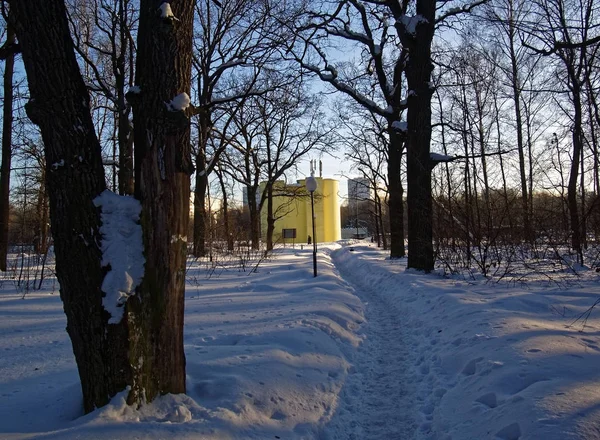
pixel 418 75
pixel 7 115
pixel 163 168
pixel 396 193
pixel 60 106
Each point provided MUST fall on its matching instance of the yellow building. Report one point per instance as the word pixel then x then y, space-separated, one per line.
pixel 291 207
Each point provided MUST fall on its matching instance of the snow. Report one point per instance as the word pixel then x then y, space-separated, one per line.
pixel 122 250
pixel 400 126
pixel 366 350
pixel 410 23
pixel 179 103
pixel 57 165
pixel 165 10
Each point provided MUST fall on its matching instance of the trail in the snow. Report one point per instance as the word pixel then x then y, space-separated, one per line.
pixel 376 401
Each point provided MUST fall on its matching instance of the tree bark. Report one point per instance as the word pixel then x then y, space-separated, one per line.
pixel 200 217
pixel 396 194
pixel 59 105
pixel 574 170
pixel 254 217
pixel 418 75
pixel 200 214
pixel 41 233
pixel 225 203
pixel 270 217
pixel 125 138
pixel 163 167
pixel 7 120
pixel 516 96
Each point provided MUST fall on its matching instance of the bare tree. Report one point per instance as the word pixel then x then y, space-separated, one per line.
pixel 143 348
pixel 365 141
pixel 277 129
pixel 561 29
pixel 231 53
pixel 385 32
pixel 103 35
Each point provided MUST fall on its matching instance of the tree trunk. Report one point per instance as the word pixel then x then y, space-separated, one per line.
pixel 270 217
pixel 574 171
pixel 200 217
pixel 396 193
pixel 418 163
pixel 126 183
pixel 516 97
pixel 59 105
pixel 468 208
pixel 384 241
pixel 200 228
pixel 7 115
pixel 376 218
pixel 228 235
pixel 41 243
pixel 254 217
pixel 163 168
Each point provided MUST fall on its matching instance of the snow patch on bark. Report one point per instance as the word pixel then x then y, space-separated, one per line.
pixel 179 103
pixel 166 11
pixel 400 126
pixel 122 250
pixel 410 23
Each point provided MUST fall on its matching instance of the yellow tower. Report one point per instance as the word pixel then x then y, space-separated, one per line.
pixel 291 207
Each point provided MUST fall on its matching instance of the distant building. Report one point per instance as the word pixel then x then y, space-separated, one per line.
pixel 292 205
pixel 360 198
pixel 245 196
pixel 359 190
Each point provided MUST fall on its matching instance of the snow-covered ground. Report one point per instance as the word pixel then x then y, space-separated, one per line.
pixel 367 350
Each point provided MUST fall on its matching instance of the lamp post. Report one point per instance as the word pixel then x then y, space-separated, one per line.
pixel 311 187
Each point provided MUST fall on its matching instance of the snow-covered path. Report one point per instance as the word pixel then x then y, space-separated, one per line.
pixel 377 400
pixel 367 351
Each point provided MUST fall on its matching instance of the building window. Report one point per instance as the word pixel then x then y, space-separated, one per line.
pixel 288 233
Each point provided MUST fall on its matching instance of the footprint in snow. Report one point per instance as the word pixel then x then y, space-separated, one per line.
pixel 510 432
pixel 490 400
